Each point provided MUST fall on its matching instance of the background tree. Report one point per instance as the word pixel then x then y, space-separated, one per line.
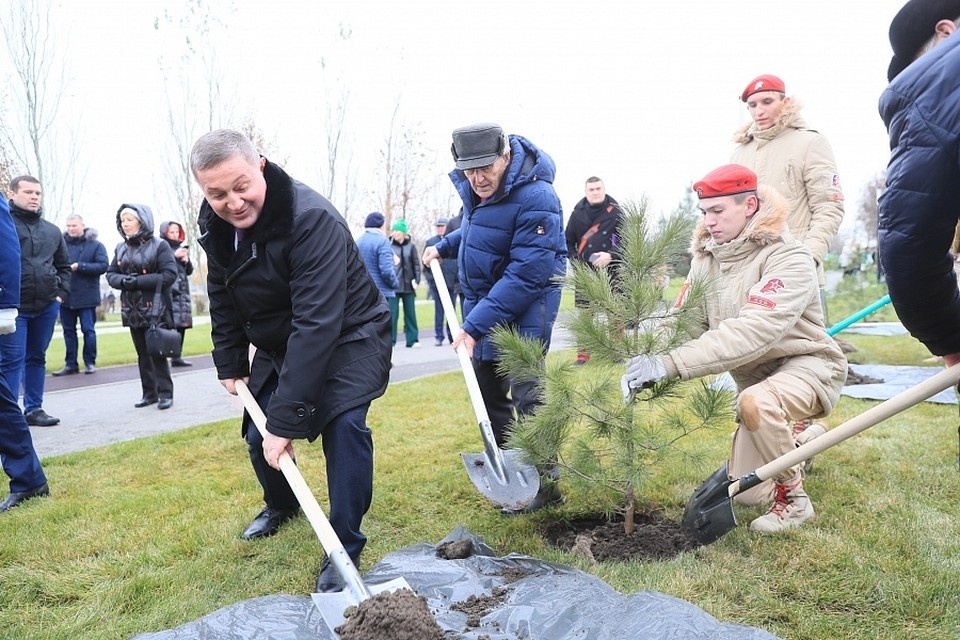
pixel 40 139
pixel 603 445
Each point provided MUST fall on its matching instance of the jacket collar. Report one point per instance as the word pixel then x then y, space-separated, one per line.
pixel 767 226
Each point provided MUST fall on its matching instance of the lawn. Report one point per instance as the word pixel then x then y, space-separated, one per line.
pixel 143 535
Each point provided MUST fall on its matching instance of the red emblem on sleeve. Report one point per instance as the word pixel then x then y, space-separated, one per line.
pixel 773 285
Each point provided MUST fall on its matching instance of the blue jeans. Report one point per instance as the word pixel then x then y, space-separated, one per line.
pixel 68 320
pixel 24 354
pixel 348 450
pixel 17 455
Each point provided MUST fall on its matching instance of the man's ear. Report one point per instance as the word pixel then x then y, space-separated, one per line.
pixel 945 28
pixel 753 204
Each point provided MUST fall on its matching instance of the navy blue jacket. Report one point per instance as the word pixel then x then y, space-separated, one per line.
pixel 9 260
pixel 91 258
pixel 378 258
pixel 510 250
pixel 919 210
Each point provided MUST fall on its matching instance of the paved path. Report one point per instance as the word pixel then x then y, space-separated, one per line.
pixel 97 410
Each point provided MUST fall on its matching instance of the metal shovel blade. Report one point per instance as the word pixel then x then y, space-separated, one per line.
pixel 508 482
pixel 709 513
pixel 333 605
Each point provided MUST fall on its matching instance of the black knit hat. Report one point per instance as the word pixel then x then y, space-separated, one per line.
pixel 913 26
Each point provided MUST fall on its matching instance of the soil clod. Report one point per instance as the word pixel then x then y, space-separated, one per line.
pixel 654 538
pixel 455 550
pixel 478 606
pixel 394 615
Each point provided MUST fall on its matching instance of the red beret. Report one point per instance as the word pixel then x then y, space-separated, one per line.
pixel 763 83
pixel 728 180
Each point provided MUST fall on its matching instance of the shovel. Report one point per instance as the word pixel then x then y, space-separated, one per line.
pixel 502 476
pixel 709 513
pixel 331 605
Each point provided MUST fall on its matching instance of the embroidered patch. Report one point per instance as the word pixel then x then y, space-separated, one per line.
pixel 773 285
pixel 835 181
pixel 761 301
pixel 837 196
pixel 682 296
pixel 540 230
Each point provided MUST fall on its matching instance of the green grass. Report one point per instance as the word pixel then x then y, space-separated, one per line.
pixel 125 547
pixel 117 348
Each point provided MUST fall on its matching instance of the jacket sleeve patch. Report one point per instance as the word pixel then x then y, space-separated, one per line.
pixel 773 285
pixel 761 301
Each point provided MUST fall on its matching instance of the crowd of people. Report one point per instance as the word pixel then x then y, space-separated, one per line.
pixel 308 316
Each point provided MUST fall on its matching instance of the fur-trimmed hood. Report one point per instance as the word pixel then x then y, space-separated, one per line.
pixel 790 118
pixel 767 226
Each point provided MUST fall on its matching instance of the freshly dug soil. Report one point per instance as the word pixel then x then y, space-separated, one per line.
pixel 478 606
pixel 391 615
pixel 598 538
pixel 854 378
pixel 455 550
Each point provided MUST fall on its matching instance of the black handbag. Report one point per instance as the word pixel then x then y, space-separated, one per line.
pixel 161 341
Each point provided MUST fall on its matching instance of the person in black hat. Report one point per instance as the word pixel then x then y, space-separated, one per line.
pixel 449 269
pixel 510 250
pixel 919 210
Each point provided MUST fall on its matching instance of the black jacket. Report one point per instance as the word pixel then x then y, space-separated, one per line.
pixel 920 208
pixel 44 262
pixel 408 268
pixel 607 215
pixel 296 288
pixel 91 258
pixel 139 264
pixel 182 304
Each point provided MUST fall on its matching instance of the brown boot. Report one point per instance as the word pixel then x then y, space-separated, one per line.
pixel 791 508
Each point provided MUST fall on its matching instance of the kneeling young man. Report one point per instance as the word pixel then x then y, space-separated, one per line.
pixel 763 323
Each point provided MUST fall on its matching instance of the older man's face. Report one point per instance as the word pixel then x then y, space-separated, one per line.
pixel 486 180
pixel 236 190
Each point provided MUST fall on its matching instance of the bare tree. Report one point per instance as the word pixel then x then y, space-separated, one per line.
pixel 867 216
pixel 44 143
pixel 193 81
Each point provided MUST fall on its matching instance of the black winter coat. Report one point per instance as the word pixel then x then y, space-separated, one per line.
pixel 920 208
pixel 296 288
pixel 139 263
pixel 408 269
pixel 607 216
pixel 44 262
pixel 182 304
pixel 91 258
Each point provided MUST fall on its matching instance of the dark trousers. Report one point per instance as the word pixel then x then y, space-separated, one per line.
pixel 438 315
pixel 25 354
pixel 523 397
pixel 348 450
pixel 68 321
pixel 410 330
pixel 154 370
pixel 17 455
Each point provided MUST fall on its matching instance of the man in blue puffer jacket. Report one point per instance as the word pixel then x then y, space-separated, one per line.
pixel 920 208
pixel 510 250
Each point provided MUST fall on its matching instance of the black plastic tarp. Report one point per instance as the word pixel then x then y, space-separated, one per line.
pixel 549 602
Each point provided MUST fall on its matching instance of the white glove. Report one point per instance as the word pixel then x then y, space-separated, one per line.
pixel 642 371
pixel 8 321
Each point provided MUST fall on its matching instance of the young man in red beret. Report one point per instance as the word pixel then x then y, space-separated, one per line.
pixel 766 329
pixel 920 207
pixel 798 162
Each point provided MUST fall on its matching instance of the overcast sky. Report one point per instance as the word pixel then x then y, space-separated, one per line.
pixel 643 94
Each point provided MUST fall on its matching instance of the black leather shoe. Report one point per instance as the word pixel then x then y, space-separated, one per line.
pixel 328 580
pixel 180 362
pixel 66 371
pixel 145 402
pixel 165 403
pixel 546 497
pixel 17 497
pixel 268 522
pixel 89 369
pixel 39 418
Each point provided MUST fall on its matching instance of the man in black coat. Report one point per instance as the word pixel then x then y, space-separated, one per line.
pixel 88 261
pixel 592 233
pixel 44 284
pixel 285 276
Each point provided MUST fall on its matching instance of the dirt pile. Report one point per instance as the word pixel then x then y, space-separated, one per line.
pixel 395 615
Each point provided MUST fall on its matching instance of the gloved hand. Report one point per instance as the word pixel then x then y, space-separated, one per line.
pixel 642 371
pixel 129 283
pixel 8 321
